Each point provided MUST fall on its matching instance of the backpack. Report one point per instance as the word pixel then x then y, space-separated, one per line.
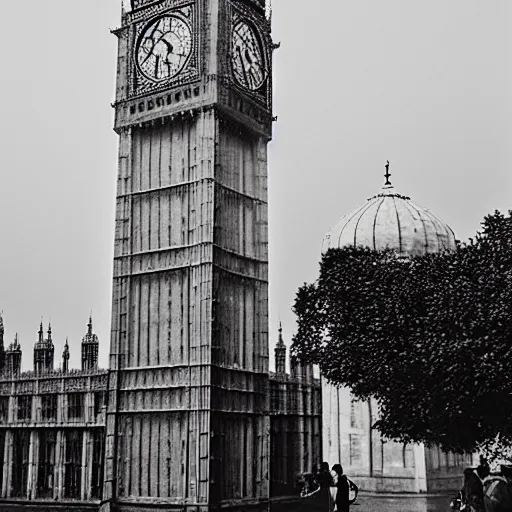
pixel 353 491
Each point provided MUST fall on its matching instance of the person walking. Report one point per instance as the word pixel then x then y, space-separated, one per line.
pixel 324 477
pixel 343 486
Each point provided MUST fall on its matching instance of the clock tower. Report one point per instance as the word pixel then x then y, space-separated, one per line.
pixel 187 418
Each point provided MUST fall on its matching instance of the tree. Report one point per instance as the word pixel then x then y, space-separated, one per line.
pixel 429 337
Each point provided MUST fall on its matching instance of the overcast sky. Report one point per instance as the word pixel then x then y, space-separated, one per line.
pixel 427 85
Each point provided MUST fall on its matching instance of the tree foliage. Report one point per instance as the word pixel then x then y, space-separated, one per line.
pixel 430 337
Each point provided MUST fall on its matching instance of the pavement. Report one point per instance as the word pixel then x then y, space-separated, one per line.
pixel 373 503
pixel 402 503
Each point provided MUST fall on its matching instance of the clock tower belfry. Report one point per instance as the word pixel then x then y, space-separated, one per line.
pixel 188 417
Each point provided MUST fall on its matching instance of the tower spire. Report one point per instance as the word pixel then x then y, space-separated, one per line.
pixel 65 357
pixel 280 352
pixel 90 344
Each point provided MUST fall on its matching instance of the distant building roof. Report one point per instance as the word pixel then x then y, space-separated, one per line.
pixel 391 220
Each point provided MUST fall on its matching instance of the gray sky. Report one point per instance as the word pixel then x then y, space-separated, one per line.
pixel 427 85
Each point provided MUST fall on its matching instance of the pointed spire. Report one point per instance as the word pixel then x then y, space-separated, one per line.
pixel 49 331
pixel 280 342
pixel 387 175
pixel 280 352
pixel 65 357
pixel 1 322
pixel 41 339
pixel 90 344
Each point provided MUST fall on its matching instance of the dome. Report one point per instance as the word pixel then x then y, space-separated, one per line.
pixel 391 220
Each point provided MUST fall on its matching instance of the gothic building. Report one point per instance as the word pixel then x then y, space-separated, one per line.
pixel 386 220
pixel 52 427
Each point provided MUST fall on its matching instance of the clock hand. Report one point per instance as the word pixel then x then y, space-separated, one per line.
pixel 157 62
pixel 248 56
pixel 170 48
pixel 242 63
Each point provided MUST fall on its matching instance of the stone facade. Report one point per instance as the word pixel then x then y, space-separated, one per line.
pixel 52 430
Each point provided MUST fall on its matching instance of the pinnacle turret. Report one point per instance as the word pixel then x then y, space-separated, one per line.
pixel 65 357
pixel 280 352
pixel 43 351
pixel 13 357
pixel 90 346
pixel 41 338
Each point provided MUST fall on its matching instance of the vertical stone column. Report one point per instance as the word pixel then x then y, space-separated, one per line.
pixel 311 427
pixel 90 457
pixel 32 465
pixel 89 403
pixel 6 486
pixel 420 468
pixel 85 473
pixel 58 491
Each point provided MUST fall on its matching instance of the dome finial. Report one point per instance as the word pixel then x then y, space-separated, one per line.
pixel 387 175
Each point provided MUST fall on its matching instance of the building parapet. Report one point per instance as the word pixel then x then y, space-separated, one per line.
pixel 55 374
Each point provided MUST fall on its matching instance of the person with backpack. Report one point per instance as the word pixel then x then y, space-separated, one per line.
pixel 343 486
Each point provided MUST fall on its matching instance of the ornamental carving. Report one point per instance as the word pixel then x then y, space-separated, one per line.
pixel 76 384
pixel 48 386
pixel 100 382
pixel 137 4
pixel 25 387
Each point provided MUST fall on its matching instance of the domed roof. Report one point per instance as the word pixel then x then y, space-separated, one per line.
pixel 391 220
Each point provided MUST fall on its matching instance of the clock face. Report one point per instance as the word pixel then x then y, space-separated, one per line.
pixel 247 57
pixel 164 48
